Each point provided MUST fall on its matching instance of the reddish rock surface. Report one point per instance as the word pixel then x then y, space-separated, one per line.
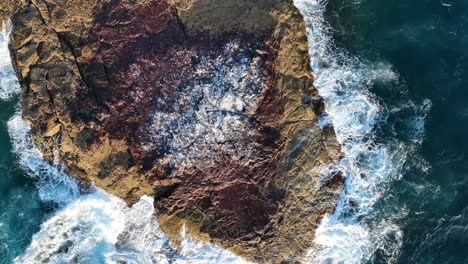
pixel 215 119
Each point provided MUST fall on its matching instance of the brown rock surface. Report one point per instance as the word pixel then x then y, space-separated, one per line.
pixel 207 105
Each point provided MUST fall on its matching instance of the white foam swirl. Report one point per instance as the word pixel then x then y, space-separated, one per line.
pixel 368 164
pixel 100 228
pixel 53 183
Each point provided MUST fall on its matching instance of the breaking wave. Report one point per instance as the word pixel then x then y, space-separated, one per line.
pixel 99 228
pixel 53 184
pixel 353 233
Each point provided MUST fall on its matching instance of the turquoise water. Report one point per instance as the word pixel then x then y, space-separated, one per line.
pixel 395 82
pixel 21 210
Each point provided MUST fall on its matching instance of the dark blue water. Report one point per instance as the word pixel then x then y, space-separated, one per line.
pixel 21 209
pixel 412 155
pixel 426 42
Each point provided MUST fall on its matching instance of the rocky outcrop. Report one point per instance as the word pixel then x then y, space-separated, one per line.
pixel 207 105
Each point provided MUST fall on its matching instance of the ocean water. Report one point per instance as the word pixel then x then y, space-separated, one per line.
pixel 425 42
pixel 394 77
pixel 372 161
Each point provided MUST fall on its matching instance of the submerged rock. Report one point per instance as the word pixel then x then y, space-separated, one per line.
pixel 206 105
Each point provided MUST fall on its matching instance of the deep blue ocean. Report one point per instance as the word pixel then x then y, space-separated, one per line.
pixel 426 44
pixel 394 76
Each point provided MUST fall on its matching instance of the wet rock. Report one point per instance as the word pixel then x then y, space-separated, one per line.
pixel 207 107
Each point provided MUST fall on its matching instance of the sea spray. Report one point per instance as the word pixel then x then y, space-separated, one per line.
pixel 100 228
pixel 97 227
pixel 350 234
pixel 53 183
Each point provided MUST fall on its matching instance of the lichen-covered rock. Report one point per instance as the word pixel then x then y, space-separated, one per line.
pixel 207 105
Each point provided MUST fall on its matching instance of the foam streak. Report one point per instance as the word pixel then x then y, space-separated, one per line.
pixel 369 166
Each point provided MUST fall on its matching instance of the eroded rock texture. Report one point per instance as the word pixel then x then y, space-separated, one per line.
pixel 207 105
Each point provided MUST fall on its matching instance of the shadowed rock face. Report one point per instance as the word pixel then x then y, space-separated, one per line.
pixel 206 105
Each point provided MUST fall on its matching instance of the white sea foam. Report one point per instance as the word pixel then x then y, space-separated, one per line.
pixel 8 83
pixel 100 228
pixel 370 166
pixel 212 113
pixel 53 183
